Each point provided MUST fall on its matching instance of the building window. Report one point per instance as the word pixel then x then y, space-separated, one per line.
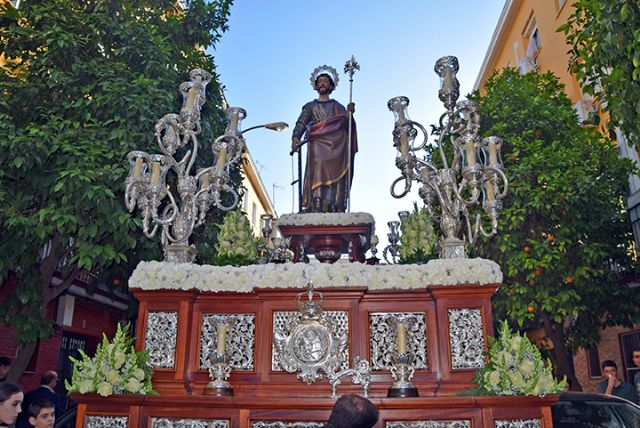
pixel 593 361
pixel 533 43
pixel 628 343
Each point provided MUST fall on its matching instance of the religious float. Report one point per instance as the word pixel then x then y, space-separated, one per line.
pixel 272 345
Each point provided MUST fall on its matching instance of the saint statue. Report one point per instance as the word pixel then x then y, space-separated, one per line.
pixel 330 154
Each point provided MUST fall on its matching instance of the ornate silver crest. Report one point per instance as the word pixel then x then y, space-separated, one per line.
pixel 324 69
pixel 314 345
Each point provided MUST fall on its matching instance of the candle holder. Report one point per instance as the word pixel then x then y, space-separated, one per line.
pixel 393 249
pixel 272 249
pixel 180 204
pixel 472 179
pixel 402 369
pixel 219 372
pixel 220 367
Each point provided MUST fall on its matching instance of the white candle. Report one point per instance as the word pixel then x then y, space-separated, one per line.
pixel 490 192
pixel 222 159
pixel 221 342
pixel 493 153
pixel 137 169
pixel 155 173
pixel 205 181
pixel 470 150
pixel 401 338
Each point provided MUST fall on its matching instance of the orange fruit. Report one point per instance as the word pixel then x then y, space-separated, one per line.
pixel 538 271
pixel 569 280
pixel 530 309
pixel 526 249
pixel 551 238
pixel 532 282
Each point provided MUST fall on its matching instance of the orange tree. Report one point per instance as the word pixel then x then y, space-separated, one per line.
pixel 83 84
pixel 564 239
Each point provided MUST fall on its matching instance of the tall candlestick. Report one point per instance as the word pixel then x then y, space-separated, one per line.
pixel 155 173
pixel 137 169
pixel 401 338
pixel 222 339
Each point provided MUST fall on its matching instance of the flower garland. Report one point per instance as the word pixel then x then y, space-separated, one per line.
pixel 515 368
pixel 162 275
pixel 325 219
pixel 116 368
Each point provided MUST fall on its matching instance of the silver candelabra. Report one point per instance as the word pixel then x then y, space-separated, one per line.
pixel 181 204
pixel 474 177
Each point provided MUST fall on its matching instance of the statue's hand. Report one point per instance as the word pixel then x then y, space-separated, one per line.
pixel 351 107
pixel 295 145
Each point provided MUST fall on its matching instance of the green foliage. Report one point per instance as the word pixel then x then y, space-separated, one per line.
pixel 116 368
pixel 564 235
pixel 605 56
pixel 84 84
pixel 515 367
pixel 236 243
pixel 418 238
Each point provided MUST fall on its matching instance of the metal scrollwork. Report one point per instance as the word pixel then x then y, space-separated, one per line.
pixel 314 346
pixel 240 340
pixel 107 421
pixel 430 424
pixel 382 340
pixel 188 423
pixel 466 338
pixel 160 339
pixel 282 424
pixel 518 423
pixel 360 375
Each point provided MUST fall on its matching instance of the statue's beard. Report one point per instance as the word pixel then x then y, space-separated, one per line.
pixel 324 90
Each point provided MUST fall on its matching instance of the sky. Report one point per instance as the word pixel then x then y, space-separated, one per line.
pixel 266 57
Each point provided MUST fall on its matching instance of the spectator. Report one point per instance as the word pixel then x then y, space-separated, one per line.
pixel 42 414
pixel 635 357
pixel 614 386
pixel 353 411
pixel 10 399
pixel 48 382
pixel 5 365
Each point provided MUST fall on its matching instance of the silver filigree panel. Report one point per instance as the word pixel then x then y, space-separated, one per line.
pixel 518 423
pixel 160 341
pixel 240 340
pixel 429 424
pixel 281 424
pixel 383 339
pixel 466 338
pixel 188 423
pixel 107 421
pixel 282 320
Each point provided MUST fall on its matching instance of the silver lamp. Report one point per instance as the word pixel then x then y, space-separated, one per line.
pixel 465 181
pixel 181 204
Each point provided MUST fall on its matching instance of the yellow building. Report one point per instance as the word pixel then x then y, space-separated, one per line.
pixel 526 38
pixel 256 201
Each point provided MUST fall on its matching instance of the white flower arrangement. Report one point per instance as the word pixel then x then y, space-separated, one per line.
pixel 325 219
pixel 185 276
pixel 116 368
pixel 515 368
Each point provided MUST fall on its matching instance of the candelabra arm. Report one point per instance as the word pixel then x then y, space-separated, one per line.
pixel 505 182
pixel 445 131
pixel 231 206
pixel 164 221
pixel 407 187
pixel 145 227
pixel 424 133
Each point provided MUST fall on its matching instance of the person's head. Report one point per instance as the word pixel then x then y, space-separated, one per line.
pixel 42 414
pixel 5 365
pixel 609 368
pixel 353 411
pixel 11 397
pixel 635 357
pixel 324 84
pixel 49 378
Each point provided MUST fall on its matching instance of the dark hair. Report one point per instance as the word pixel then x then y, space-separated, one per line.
pixel 5 361
pixel 353 411
pixel 7 389
pixel 36 407
pixel 609 363
pixel 48 377
pixel 333 84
